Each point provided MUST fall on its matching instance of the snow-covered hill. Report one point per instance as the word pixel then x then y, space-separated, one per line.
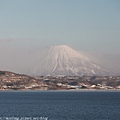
pixel 63 60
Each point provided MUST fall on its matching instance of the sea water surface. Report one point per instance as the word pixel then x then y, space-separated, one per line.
pixel 61 105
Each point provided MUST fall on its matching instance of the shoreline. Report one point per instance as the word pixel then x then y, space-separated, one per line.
pixel 84 90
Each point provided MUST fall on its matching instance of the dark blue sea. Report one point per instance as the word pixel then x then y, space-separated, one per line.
pixel 60 105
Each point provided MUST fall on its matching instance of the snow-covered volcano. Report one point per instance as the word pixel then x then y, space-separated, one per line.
pixel 63 60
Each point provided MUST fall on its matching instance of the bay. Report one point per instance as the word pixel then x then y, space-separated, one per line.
pixel 61 105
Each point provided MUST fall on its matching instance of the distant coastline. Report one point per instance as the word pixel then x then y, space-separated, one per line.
pixel 14 81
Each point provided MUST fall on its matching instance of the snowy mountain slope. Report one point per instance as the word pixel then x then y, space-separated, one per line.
pixel 110 61
pixel 63 60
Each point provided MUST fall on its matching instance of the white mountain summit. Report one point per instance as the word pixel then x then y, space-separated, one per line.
pixel 63 60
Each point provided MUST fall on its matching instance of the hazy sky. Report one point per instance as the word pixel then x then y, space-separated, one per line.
pixel 88 25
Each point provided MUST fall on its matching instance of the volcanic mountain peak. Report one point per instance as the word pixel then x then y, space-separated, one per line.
pixel 63 60
pixel 65 51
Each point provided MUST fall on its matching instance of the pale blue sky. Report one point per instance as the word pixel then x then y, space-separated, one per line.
pixel 88 25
